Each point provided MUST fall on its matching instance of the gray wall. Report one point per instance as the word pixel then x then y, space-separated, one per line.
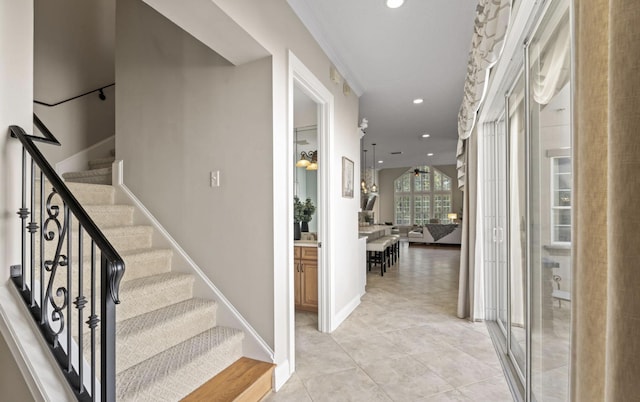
pixel 183 111
pixel 12 384
pixel 267 216
pixel 386 192
pixel 74 53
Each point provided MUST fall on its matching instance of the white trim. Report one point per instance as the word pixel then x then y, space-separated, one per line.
pixel 300 76
pixel 80 160
pixel 346 310
pixel 37 366
pixel 281 375
pixel 253 345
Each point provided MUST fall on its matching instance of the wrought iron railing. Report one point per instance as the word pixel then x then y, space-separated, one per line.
pixel 67 268
pixel 99 90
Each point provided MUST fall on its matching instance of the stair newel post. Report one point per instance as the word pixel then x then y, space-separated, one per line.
pixel 107 333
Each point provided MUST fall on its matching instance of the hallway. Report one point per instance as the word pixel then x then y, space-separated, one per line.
pixel 403 343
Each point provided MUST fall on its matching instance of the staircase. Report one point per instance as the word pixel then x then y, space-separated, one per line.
pixel 99 172
pixel 167 341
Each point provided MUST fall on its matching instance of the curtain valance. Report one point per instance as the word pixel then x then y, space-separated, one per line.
pixel 491 22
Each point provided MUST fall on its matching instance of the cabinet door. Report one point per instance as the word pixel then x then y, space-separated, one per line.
pixel 297 283
pixel 309 270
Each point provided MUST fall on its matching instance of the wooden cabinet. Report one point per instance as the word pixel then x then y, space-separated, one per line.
pixel 306 278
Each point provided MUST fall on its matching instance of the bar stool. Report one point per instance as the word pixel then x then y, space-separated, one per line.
pixel 377 254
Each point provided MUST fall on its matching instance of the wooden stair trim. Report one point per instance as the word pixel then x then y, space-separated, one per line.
pixel 246 380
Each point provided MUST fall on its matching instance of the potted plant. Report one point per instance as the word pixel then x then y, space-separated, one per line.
pixel 298 215
pixel 307 214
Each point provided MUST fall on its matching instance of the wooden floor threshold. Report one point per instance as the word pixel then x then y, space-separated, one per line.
pixel 246 380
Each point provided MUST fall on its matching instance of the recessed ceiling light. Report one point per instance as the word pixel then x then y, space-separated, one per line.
pixel 430 154
pixel 394 3
pixel 426 135
pixel 380 161
pixel 418 101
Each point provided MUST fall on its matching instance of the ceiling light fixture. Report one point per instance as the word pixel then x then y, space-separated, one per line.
pixel 380 161
pixel 374 188
pixel 426 135
pixel 418 101
pixel 394 3
pixel 430 154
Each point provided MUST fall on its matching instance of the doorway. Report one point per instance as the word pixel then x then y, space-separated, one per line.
pixel 302 81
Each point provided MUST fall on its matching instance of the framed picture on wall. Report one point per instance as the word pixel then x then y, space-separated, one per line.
pixel 347 177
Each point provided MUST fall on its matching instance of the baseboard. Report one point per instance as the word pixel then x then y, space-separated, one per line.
pixel 345 312
pixel 281 375
pixel 36 364
pixel 253 346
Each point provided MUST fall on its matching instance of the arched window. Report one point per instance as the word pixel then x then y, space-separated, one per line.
pixel 422 198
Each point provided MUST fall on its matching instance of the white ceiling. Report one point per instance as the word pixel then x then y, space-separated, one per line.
pixel 392 56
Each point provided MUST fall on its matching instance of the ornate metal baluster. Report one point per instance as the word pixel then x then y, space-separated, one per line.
pixel 51 266
pixel 80 302
pixel 33 228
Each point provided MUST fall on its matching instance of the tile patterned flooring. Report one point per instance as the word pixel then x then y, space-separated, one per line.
pixel 403 343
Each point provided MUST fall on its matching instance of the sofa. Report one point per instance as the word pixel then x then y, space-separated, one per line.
pixel 436 234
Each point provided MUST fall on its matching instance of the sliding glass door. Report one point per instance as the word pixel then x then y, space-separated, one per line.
pixel 517 229
pixel 527 213
pixel 549 95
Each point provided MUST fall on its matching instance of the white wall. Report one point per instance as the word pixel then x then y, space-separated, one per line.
pixel 16 96
pixel 73 54
pixel 183 111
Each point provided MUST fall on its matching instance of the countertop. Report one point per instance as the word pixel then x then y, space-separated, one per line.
pixel 305 243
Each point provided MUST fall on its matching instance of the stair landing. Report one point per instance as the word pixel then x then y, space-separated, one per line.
pixel 246 380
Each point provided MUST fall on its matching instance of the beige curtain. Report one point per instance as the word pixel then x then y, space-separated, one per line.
pixel 468 286
pixel 606 311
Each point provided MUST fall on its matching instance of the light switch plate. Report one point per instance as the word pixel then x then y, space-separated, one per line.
pixel 215 178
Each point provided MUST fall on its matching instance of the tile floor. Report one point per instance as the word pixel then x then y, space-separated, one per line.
pixel 403 343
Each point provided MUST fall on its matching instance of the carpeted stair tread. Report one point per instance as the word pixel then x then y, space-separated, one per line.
pixel 101 163
pixel 129 237
pixel 176 372
pixel 146 335
pixel 111 215
pixel 122 238
pixel 150 293
pixel 86 193
pixel 157 318
pixel 94 176
pixel 146 262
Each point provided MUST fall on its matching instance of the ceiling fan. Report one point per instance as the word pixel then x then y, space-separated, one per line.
pixel 417 172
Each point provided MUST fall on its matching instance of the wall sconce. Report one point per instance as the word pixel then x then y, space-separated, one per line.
pixel 308 160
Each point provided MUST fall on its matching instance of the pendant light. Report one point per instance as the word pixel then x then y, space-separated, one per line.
pixel 363 183
pixel 374 188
